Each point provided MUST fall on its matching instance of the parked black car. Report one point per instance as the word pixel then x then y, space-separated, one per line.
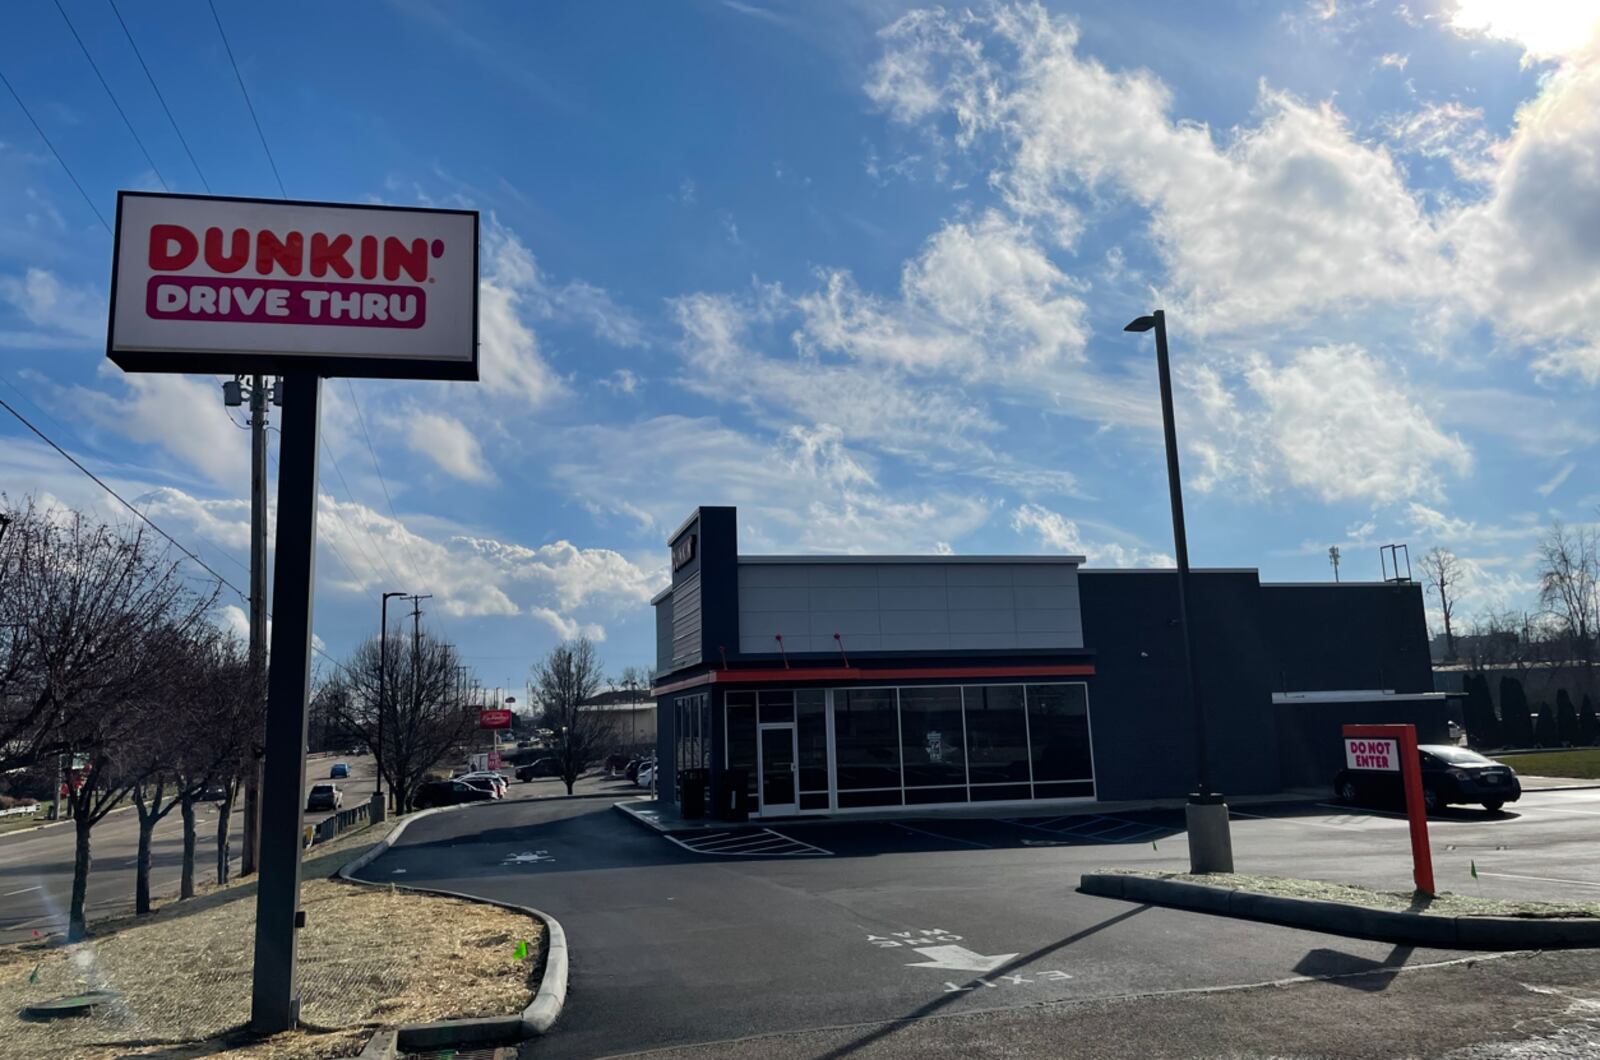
pixel 1449 775
pixel 447 793
pixel 539 767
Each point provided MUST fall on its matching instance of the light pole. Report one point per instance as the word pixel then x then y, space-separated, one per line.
pixel 383 676
pixel 1210 845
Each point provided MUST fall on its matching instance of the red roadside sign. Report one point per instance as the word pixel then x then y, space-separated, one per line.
pixel 494 719
pixel 1393 748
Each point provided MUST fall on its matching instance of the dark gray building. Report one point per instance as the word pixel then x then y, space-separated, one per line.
pixel 830 683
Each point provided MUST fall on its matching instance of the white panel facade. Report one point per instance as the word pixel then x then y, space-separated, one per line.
pixel 908 606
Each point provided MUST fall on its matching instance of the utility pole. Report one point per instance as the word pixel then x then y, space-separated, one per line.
pixel 259 393
pixel 416 649
pixel 383 677
pixel 1333 558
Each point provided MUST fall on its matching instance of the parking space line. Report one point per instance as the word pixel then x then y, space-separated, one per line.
pixel 938 835
pixel 1540 879
pixel 809 846
pixel 765 842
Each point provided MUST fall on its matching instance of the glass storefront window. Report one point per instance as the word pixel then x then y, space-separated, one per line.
pixel 742 738
pixel 914 746
pixel 776 706
pixel 997 735
pixel 932 744
pixel 1058 724
pixel 811 733
pixel 866 740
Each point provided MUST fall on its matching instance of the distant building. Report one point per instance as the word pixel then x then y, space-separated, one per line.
pixel 634 712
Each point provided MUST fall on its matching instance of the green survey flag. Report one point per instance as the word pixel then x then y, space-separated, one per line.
pixel 521 952
pixel 1474 864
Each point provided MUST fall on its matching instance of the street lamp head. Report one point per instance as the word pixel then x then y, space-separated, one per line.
pixel 1141 324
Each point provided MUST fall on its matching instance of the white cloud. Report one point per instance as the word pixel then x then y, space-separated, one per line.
pixel 74 315
pixel 568 628
pixel 149 407
pixel 449 443
pixel 1529 258
pixel 469 574
pixel 806 492
pixel 511 364
pixel 1056 532
pixel 1553 483
pixel 622 381
pixel 1449 130
pixel 1343 427
pixel 1544 29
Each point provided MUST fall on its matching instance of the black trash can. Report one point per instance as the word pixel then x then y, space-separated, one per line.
pixel 692 792
pixel 733 802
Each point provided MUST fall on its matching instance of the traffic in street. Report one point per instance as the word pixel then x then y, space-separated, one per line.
pixel 36 864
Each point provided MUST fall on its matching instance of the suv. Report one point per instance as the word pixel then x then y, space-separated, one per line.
pixel 339 769
pixel 447 793
pixel 324 796
pixel 539 767
pixel 1449 775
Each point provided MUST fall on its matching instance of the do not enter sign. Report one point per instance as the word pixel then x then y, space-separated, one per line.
pixel 1372 754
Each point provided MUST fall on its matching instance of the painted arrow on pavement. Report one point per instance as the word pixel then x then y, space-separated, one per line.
pixel 959 958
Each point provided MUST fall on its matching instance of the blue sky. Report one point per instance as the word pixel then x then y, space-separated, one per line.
pixel 860 269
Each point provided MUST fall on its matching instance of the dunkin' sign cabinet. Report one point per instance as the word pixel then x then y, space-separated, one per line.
pixel 232 285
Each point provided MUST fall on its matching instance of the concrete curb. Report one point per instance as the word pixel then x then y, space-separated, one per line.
pixel 537 1018
pixel 1339 918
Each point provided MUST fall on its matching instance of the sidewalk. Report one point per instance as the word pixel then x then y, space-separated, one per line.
pixel 663 816
pixel 1531 783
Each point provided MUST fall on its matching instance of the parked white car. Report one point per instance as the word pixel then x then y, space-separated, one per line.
pixel 492 777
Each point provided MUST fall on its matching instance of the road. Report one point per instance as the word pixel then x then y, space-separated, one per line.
pixel 36 866
pixel 794 929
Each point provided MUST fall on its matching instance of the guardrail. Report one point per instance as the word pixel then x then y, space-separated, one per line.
pixel 19 809
pixel 330 826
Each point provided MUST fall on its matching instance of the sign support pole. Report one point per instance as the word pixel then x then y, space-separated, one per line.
pixel 275 997
pixel 1404 745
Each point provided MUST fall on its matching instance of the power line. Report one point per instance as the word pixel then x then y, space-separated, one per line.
pixel 97 480
pixel 68 169
pixel 112 96
pixel 246 93
pixel 367 556
pixel 167 110
pixel 362 419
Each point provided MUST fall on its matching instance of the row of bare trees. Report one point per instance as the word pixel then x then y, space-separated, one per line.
pixel 1563 631
pixel 416 689
pixel 110 666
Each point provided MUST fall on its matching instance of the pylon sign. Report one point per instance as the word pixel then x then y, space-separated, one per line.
pixel 222 285
pixel 304 291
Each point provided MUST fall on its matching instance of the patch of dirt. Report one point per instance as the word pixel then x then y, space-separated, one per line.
pixel 368 957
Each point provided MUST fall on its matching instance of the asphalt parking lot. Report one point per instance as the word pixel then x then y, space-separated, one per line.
pixel 718 935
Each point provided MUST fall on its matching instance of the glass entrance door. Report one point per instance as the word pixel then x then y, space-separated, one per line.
pixel 777 770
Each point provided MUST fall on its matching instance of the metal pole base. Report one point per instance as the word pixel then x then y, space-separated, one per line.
pixel 1210 843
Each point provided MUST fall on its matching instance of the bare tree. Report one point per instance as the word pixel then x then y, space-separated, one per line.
pixel 106 614
pixel 424 717
pixel 1569 585
pixel 565 679
pixel 1442 571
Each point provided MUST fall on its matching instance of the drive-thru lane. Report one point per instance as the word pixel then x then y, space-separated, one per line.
pixel 674 946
